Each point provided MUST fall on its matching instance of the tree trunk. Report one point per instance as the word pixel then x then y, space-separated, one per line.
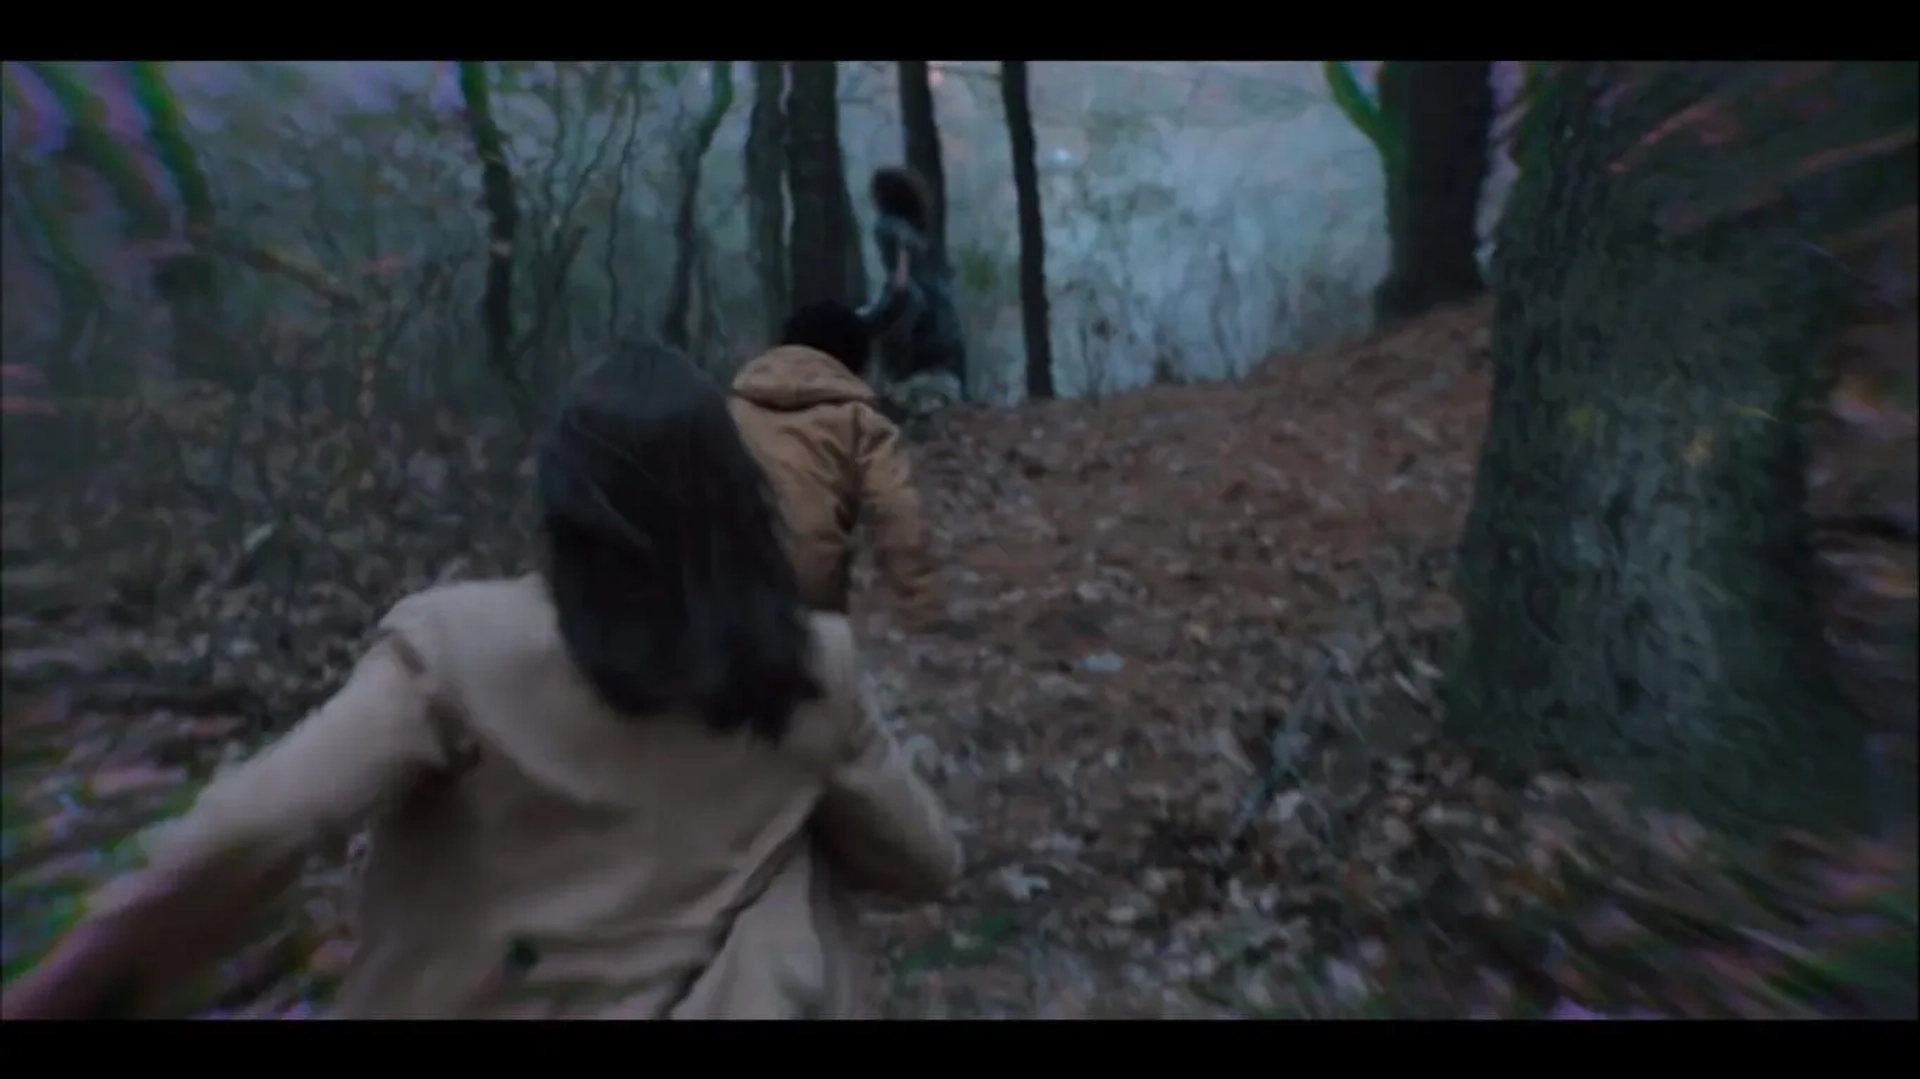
pixel 920 133
pixel 766 197
pixel 1033 240
pixel 821 246
pixel 686 224
pixel 167 130
pixel 1392 90
pixel 1636 568
pixel 853 258
pixel 80 296
pixel 91 144
pixel 503 220
pixel 1433 197
pixel 186 282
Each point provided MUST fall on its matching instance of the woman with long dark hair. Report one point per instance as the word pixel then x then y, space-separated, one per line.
pixel 923 353
pixel 599 791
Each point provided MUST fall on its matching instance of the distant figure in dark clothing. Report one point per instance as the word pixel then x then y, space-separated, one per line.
pixel 924 358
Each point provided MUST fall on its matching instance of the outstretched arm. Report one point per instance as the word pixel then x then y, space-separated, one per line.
pixel 244 840
pixel 900 244
pixel 886 307
pixel 893 297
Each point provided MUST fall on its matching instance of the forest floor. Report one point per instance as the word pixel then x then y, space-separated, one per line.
pixel 1186 720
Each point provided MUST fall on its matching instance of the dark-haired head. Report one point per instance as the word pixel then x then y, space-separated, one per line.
pixel 900 192
pixel 663 550
pixel 832 328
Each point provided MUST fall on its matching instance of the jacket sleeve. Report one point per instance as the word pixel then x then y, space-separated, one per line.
pixel 246 837
pixel 888 499
pixel 881 824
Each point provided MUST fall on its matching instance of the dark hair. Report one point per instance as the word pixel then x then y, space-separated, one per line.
pixel 832 328
pixel 663 550
pixel 900 192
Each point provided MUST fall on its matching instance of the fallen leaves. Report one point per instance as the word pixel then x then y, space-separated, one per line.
pixel 1185 603
pixel 1192 615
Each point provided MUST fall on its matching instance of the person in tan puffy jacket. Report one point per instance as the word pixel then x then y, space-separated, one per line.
pixel 835 461
pixel 611 789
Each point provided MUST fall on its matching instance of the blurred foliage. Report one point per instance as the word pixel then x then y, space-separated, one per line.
pixel 367 204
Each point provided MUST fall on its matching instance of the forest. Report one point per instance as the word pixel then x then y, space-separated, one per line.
pixel 1426 539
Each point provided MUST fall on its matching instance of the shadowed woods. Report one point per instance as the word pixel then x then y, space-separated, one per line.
pixel 1229 717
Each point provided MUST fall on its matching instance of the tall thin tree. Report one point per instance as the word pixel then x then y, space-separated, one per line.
pixel 498 195
pixel 1448 106
pixel 822 248
pixel 1033 240
pixel 920 135
pixel 1431 123
pixel 766 192
pixel 186 281
pixel 693 152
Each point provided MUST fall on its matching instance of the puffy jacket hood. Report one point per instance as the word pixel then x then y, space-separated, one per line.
pixel 796 377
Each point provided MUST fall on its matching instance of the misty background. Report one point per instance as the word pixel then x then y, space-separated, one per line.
pixel 1200 216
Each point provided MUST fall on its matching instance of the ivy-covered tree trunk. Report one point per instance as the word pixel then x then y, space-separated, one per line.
pixel 920 134
pixel 503 221
pixel 92 145
pixel 766 193
pixel 1034 320
pixel 1636 571
pixel 822 247
pixel 1433 196
pixel 39 215
pixel 186 281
